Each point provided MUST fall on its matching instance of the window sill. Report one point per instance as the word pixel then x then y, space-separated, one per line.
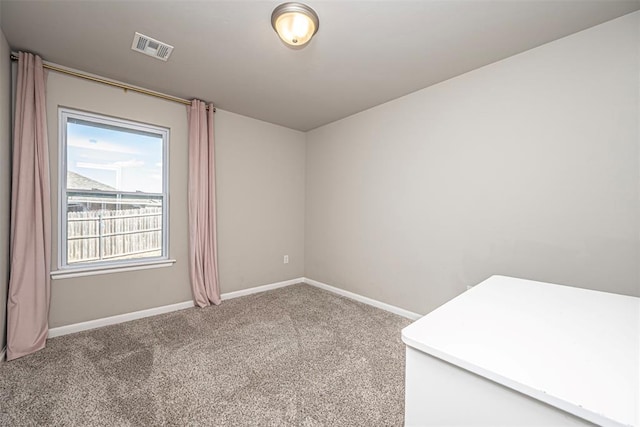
pixel 108 269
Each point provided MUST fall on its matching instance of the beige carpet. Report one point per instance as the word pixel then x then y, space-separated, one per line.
pixel 295 356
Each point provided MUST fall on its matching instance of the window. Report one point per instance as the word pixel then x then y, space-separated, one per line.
pixel 113 191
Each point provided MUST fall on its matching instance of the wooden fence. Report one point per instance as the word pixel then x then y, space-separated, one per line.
pixel 114 234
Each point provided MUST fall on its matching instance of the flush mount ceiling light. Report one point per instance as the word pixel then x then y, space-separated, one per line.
pixel 295 23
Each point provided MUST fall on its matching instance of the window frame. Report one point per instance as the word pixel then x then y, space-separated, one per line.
pixel 64 114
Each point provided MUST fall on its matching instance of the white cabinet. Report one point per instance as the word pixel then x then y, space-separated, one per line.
pixel 518 352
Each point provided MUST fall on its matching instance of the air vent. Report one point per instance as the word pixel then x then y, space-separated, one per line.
pixel 151 47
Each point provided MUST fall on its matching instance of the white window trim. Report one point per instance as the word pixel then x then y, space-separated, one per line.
pixel 91 271
pixel 103 267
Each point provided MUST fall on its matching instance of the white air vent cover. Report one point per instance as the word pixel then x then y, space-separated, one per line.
pixel 151 47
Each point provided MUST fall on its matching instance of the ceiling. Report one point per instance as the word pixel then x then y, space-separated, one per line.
pixel 365 52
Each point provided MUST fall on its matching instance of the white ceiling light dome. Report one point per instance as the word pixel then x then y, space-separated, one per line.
pixel 295 23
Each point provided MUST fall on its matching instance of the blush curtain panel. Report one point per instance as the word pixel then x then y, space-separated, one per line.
pixel 203 251
pixel 29 283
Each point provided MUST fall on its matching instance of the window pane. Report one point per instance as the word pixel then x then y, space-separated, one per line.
pixel 115 195
pixel 111 158
pixel 113 227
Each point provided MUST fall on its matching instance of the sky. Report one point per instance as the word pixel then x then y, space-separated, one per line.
pixel 124 160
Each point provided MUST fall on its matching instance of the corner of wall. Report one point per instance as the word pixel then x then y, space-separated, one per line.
pixel 304 212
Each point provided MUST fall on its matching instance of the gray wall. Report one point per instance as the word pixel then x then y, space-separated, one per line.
pixel 527 167
pixel 260 170
pixel 5 179
pixel 256 161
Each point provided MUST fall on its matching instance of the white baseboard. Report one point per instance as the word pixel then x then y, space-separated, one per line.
pixel 120 318
pixel 257 289
pixel 369 301
pixel 3 354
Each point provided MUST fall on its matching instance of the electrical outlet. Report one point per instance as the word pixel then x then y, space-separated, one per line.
pixel 286 259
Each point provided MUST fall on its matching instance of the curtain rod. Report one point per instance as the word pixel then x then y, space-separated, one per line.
pixel 124 86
